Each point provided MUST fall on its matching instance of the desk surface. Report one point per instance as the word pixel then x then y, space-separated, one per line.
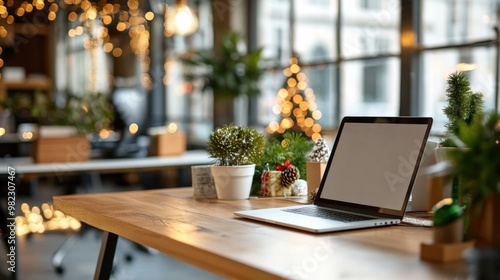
pixel 206 234
pixel 26 165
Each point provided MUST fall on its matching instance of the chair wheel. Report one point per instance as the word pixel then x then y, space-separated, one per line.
pixel 59 270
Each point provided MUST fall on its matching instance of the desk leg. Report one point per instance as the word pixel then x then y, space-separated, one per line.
pixel 106 255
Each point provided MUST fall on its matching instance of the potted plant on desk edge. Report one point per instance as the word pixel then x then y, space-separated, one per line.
pixel 478 169
pixel 236 149
pixel 80 116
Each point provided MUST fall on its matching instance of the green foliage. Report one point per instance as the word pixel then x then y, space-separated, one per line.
pixel 294 147
pixel 231 74
pixel 236 145
pixel 463 105
pixel 478 165
pixel 88 113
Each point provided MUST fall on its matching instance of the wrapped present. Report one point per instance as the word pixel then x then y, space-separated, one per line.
pixel 271 184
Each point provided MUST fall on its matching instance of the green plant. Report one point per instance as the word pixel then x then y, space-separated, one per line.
pixel 235 145
pixel 88 113
pixel 294 147
pixel 478 165
pixel 463 105
pixel 232 73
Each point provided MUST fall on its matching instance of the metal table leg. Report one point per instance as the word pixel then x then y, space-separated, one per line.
pixel 106 255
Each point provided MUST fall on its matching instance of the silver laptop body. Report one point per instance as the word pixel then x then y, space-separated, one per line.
pixel 370 173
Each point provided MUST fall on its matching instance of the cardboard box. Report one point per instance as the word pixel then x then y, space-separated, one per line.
pixel 62 149
pixel 168 144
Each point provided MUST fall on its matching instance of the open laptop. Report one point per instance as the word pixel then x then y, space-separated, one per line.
pixel 368 179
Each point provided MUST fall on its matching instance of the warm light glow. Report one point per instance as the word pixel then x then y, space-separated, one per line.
pixel 464 67
pixel 27 135
pixel 121 26
pixel 72 16
pixel 180 20
pixel 149 16
pixel 287 72
pixel 316 115
pixel 108 47
pixel 2 131
pixel 295 68
pixel 133 128
pixel 104 133
pixel 172 127
pixel 117 52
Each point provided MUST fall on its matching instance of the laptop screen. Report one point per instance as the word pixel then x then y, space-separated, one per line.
pixel 373 163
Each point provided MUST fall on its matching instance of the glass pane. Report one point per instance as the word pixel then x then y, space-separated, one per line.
pixel 370 87
pixel 439 64
pixel 319 81
pixel 274 29
pixel 370 27
pixel 447 22
pixel 314 36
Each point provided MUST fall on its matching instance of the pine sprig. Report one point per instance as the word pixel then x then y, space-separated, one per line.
pixel 463 104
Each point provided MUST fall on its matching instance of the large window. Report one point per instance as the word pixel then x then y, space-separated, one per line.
pixel 456 36
pixel 351 53
pixel 338 50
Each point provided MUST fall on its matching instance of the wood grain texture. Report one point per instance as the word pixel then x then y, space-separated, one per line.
pixel 206 234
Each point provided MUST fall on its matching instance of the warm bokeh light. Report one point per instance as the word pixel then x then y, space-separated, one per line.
pixel 180 20
pixel 117 52
pixel 172 127
pixel 2 131
pixel 104 133
pixel 46 219
pixel 149 16
pixel 27 135
pixel 296 105
pixel 133 128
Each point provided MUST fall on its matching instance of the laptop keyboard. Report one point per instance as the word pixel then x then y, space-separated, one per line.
pixel 327 214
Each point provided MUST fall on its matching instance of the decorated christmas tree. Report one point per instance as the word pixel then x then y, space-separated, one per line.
pixel 296 105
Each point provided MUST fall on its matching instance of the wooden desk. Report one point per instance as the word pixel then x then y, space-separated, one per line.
pixel 207 235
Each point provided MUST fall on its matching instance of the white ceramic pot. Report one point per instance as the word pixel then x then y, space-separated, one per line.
pixel 233 182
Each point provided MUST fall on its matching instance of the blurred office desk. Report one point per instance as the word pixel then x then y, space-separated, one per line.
pixel 26 166
pixel 206 234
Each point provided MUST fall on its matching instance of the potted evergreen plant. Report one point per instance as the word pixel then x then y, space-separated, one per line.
pixel 236 149
pixel 463 106
pixel 230 72
pixel 478 167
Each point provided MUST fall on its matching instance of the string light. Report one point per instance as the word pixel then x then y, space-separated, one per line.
pixel 36 220
pixel 296 105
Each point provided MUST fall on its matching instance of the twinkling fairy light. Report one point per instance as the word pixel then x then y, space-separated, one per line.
pixel 296 104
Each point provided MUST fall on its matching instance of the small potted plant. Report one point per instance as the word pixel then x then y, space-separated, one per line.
pixel 478 167
pixel 236 150
pixel 463 107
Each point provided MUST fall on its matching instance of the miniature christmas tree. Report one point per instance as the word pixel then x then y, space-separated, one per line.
pixel 463 105
pixel 296 105
pixel 320 152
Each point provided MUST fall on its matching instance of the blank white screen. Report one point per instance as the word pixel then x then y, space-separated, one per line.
pixel 373 164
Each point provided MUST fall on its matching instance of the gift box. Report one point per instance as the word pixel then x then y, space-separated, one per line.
pixel 271 184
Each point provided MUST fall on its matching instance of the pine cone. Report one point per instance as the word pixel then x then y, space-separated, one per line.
pixel 289 176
